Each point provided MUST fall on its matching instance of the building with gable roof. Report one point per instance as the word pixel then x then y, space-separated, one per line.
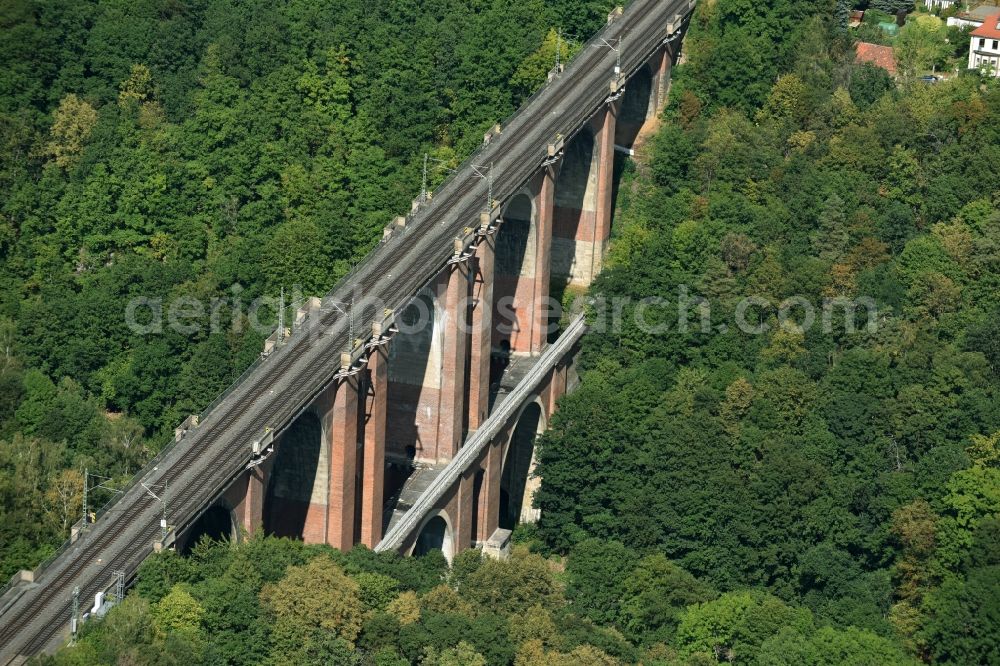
pixel 984 46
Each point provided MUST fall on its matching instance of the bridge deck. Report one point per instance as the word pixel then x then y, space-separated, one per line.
pixel 415 486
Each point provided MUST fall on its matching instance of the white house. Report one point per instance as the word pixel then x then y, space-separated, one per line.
pixel 940 4
pixel 984 47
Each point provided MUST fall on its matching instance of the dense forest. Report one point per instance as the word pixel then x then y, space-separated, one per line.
pixel 215 150
pixel 801 495
pixel 853 473
pixel 275 601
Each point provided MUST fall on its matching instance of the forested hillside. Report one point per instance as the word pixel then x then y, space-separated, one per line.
pixel 217 150
pixel 743 489
pixel 852 474
pixel 274 601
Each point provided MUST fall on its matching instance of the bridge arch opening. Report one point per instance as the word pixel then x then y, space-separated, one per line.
pixel 637 106
pixel 436 534
pixel 477 507
pixel 513 276
pixel 414 386
pixel 575 213
pixel 217 523
pixel 292 487
pixel 517 485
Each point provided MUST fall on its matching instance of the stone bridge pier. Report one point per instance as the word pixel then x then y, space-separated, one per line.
pixel 353 463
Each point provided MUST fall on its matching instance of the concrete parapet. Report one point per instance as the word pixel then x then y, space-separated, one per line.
pixel 487 218
pixel 498 545
pixel 494 131
pixel 187 424
pixel 311 304
pixel 556 146
pixel 23 576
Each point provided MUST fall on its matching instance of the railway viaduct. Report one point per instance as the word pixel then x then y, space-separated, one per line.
pixel 400 411
pixel 352 463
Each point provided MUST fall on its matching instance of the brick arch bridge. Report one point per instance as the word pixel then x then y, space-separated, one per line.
pixel 411 402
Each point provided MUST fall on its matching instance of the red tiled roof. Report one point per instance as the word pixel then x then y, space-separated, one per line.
pixel 880 56
pixel 990 27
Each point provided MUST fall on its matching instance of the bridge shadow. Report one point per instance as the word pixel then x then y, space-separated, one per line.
pixel 477 498
pixel 512 291
pixel 412 382
pixel 511 310
pixel 292 478
pixel 435 535
pixel 575 193
pixel 216 524
pixel 636 107
pixel 515 494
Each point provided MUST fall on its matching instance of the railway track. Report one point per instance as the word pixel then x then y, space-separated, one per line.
pixel 216 452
